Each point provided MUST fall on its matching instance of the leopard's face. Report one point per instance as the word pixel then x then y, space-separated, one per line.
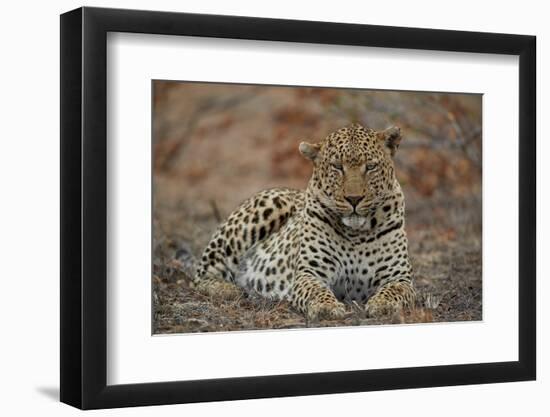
pixel 353 171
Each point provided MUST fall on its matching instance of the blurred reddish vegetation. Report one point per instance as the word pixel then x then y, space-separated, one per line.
pixel 216 144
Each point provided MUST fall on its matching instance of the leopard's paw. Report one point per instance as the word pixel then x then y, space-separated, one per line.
pixel 380 305
pixel 326 310
pixel 218 289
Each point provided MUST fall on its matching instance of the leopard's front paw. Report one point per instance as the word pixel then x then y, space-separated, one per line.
pixel 326 310
pixel 380 305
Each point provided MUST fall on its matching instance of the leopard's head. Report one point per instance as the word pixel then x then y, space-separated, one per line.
pixel 353 171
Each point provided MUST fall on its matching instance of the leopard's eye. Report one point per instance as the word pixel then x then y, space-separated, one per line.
pixel 371 167
pixel 337 165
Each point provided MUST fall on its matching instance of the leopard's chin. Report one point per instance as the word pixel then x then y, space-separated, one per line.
pixel 354 221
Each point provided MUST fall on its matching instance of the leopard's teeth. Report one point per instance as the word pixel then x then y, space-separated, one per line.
pixel 354 221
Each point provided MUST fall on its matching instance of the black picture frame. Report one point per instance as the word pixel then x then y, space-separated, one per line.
pixel 84 207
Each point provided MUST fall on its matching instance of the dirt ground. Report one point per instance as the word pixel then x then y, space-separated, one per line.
pixel 215 145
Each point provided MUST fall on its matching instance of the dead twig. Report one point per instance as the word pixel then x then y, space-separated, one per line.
pixel 215 211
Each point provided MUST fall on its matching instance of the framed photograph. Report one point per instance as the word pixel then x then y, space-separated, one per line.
pixel 257 208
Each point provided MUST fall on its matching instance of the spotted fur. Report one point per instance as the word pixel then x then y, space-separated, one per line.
pixel 341 240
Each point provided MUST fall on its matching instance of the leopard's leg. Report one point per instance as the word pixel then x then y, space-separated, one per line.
pixel 253 221
pixel 211 280
pixel 392 296
pixel 314 299
pixel 213 276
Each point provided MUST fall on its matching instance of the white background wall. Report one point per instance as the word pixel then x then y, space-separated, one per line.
pixel 29 226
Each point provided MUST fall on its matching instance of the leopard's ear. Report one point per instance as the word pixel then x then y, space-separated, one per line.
pixel 391 138
pixel 310 150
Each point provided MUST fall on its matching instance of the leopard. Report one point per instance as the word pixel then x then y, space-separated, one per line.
pixel 342 240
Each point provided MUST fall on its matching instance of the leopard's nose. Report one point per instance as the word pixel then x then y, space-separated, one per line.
pixel 354 199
